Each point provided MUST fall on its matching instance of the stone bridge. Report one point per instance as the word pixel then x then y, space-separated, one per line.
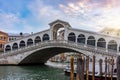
pixel 37 48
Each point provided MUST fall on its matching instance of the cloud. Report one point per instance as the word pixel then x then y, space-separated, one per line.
pixel 13 23
pixel 42 11
pixel 8 20
pixel 83 14
pixel 77 14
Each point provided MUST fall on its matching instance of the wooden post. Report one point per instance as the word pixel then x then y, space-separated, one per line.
pixel 109 68
pixel 78 68
pixel 93 69
pixel 81 68
pixel 87 67
pixel 106 68
pixel 72 68
pixel 112 63
pixel 118 67
pixel 100 67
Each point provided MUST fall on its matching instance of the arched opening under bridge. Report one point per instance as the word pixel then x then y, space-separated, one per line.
pixel 43 55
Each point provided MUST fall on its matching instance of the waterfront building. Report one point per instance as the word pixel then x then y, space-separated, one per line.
pixel 3 40
pixel 111 31
pixel 13 36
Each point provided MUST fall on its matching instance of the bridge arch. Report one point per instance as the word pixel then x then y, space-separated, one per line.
pixel 29 42
pixel 81 38
pixel 91 40
pixel 72 37
pixel 45 37
pixel 15 46
pixel 37 39
pixel 8 48
pixel 43 55
pixel 56 29
pixel 22 44
pixel 101 43
pixel 112 45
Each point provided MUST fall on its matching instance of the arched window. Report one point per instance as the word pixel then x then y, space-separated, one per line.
pixel 15 46
pixel 37 39
pixel 22 44
pixel 112 45
pixel 91 41
pixel 8 48
pixel 29 42
pixel 72 37
pixel 81 39
pixel 101 43
pixel 45 37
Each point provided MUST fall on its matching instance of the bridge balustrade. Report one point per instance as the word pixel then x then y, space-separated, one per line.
pixel 58 43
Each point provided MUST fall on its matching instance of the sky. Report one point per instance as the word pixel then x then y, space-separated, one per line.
pixel 34 15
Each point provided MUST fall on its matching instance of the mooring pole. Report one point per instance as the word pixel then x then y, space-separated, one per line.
pixel 72 68
pixel 118 67
pixel 100 67
pixel 112 63
pixel 87 67
pixel 109 68
pixel 105 68
pixel 93 69
pixel 78 68
pixel 81 68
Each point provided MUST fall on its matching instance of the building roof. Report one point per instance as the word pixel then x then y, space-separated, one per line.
pixel 61 21
pixel 17 35
pixel 3 32
pixel 111 31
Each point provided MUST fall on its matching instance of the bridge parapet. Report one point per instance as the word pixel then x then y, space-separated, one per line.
pixel 61 43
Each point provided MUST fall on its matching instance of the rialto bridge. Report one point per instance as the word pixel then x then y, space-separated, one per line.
pixel 61 37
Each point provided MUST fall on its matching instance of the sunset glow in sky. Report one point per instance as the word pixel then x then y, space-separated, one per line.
pixel 35 15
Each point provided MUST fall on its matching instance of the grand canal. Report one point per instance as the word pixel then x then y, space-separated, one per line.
pixel 31 73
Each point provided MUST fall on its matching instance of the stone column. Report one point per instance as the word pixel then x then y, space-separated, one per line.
pixel 66 34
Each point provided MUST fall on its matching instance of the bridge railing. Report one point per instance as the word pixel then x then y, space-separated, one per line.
pixel 81 46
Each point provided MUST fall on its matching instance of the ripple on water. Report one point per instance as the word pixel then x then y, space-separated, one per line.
pixel 31 73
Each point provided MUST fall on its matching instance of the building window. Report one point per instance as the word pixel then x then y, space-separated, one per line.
pixel 4 38
pixel 0 45
pixel 10 39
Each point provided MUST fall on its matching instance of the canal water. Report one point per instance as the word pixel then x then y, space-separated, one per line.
pixel 31 73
